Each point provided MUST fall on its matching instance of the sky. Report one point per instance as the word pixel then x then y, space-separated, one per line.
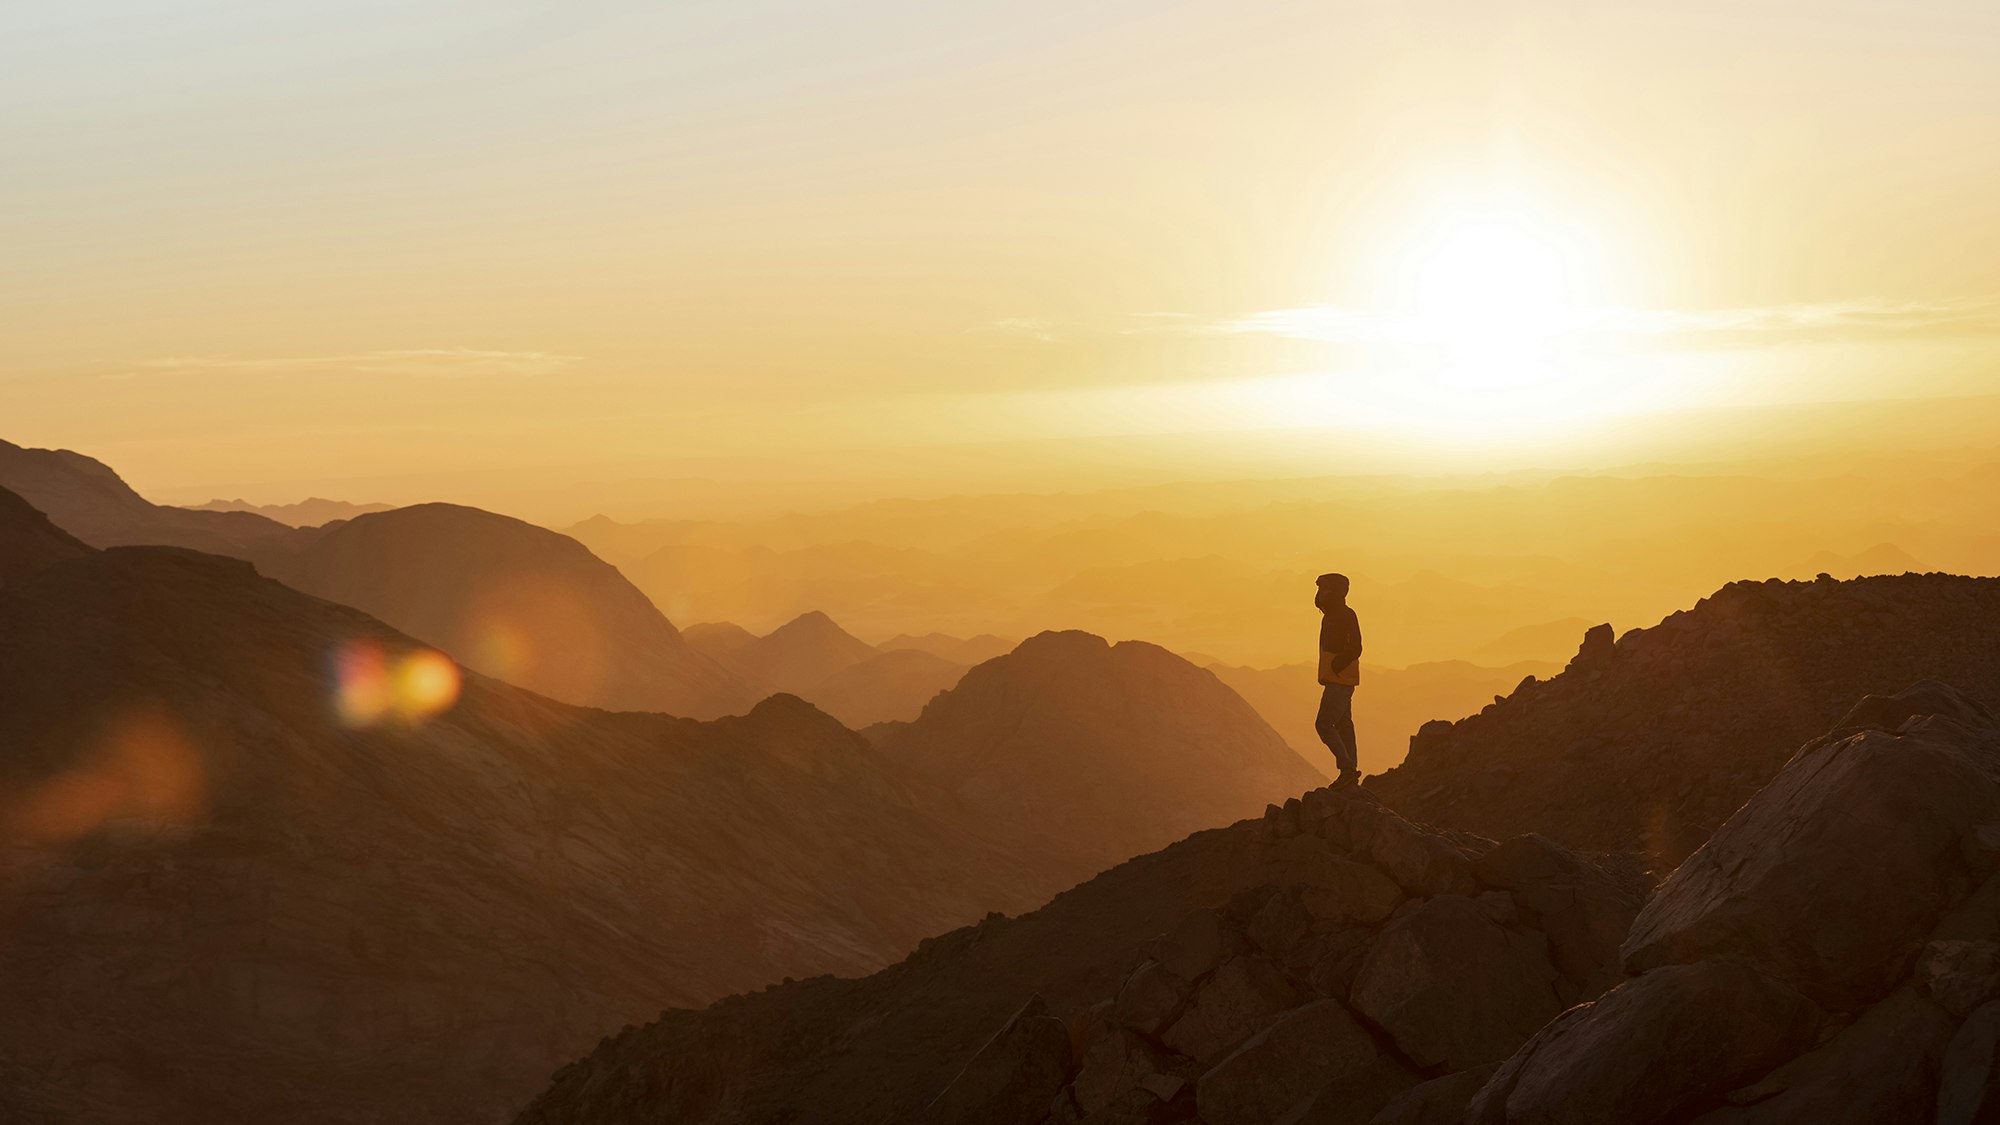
pixel 263 247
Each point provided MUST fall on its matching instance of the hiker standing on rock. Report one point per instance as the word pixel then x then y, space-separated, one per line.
pixel 1340 672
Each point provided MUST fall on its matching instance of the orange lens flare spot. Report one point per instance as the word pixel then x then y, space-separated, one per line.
pixel 372 685
pixel 143 768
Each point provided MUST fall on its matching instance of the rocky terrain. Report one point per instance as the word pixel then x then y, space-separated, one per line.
pixel 1648 742
pixel 1328 955
pixel 1097 751
pixel 515 601
pixel 1832 955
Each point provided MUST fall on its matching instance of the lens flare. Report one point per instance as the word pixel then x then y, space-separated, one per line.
pixel 373 686
pixel 144 768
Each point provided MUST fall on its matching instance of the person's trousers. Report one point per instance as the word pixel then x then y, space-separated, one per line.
pixel 1335 724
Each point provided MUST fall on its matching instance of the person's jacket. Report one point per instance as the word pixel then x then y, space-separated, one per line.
pixel 1340 646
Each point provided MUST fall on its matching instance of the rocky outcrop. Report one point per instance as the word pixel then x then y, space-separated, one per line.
pixel 1830 955
pixel 1292 979
pixel 1647 744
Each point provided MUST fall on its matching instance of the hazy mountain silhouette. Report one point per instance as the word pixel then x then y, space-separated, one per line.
pixel 311 512
pixel 886 687
pixel 1882 558
pixel 84 497
pixel 1391 705
pixel 1648 744
pixel 516 601
pixel 813 658
pixel 1097 751
pixel 798 654
pixel 224 905
pixel 1546 640
pixel 959 650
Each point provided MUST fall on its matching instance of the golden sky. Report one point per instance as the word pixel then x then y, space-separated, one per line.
pixel 252 245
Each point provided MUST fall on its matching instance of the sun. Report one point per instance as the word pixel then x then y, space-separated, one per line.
pixel 1487 292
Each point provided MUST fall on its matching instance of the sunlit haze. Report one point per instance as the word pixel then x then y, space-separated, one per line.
pixel 409 247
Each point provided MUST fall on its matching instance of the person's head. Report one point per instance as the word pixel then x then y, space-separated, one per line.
pixel 1332 591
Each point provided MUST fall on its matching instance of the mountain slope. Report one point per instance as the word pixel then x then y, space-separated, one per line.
pixel 1152 983
pixel 1098 751
pixel 515 601
pixel 84 497
pixel 224 905
pixel 1648 744
pixel 31 543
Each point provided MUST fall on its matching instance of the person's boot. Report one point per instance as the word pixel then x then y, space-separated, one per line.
pixel 1347 779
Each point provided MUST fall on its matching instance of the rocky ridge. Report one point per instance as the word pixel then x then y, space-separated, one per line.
pixel 1647 742
pixel 1832 954
pixel 1306 966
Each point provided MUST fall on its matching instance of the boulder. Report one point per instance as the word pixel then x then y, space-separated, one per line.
pixel 1117 1064
pixel 1657 1048
pixel 1012 1078
pixel 1151 998
pixel 1195 947
pixel 1960 975
pixel 1420 862
pixel 1969 1086
pixel 1582 908
pixel 1242 996
pixel 1831 877
pixel 1881 1067
pixel 1452 987
pixel 1441 1101
pixel 1282 925
pixel 1314 1048
pixel 1345 893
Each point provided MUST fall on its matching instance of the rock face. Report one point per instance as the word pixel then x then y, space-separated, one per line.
pixel 1648 744
pixel 223 903
pixel 514 601
pixel 1830 955
pixel 1105 751
pixel 1244 976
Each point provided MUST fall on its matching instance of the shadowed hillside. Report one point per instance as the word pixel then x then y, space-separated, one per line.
pixel 222 903
pixel 1648 744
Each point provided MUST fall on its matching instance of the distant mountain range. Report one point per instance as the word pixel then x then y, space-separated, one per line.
pixel 311 512
pixel 502 596
pixel 249 875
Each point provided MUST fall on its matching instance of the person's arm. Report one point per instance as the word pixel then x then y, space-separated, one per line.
pixel 1350 645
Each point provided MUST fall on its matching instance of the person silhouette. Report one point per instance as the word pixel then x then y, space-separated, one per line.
pixel 1339 673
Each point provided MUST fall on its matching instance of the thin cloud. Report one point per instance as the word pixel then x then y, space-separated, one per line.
pixel 1031 327
pixel 424 363
pixel 1768 324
